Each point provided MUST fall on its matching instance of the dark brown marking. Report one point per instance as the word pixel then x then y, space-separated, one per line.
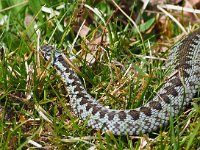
pixel 89 105
pixel 146 110
pixel 183 66
pixel 185 74
pixel 165 98
pixel 176 81
pixel 95 110
pixel 60 58
pixel 79 84
pixel 134 114
pixel 111 115
pixel 103 113
pixel 122 115
pixel 186 46
pixel 171 90
pixel 83 101
pixel 76 83
pixel 73 83
pixel 81 95
pixel 71 76
pixel 147 123
pixel 78 88
pixel 155 105
pixel 81 111
pixel 57 68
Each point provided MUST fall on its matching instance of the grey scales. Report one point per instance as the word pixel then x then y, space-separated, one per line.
pixel 175 94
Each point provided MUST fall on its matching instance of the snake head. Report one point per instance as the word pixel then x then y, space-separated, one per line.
pixel 50 53
pixel 47 51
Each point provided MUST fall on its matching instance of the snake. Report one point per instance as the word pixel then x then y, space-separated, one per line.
pixel 171 99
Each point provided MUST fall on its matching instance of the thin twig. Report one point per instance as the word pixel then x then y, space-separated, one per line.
pixel 173 18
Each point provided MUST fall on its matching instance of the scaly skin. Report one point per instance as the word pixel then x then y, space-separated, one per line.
pixel 175 94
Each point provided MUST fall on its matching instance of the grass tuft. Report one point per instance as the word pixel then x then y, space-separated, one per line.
pixel 121 62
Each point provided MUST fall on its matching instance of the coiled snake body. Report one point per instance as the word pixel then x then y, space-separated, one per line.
pixel 175 94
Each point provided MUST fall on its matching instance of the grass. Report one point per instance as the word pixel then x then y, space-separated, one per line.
pixel 120 67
